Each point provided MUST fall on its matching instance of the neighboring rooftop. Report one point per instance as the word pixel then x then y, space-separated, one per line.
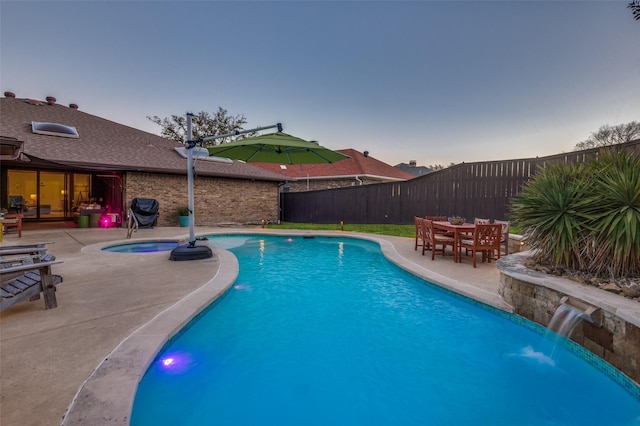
pixel 360 164
pixel 413 168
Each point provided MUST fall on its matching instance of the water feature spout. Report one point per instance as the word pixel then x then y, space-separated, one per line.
pixel 569 314
pixel 566 318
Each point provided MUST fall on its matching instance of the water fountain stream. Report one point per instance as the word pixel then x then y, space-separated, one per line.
pixel 566 318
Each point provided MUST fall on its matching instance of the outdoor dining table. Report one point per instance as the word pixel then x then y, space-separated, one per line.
pixel 457 230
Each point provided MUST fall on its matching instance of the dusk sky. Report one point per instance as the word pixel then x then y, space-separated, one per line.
pixel 438 82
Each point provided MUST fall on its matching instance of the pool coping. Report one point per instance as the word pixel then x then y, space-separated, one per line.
pixel 108 393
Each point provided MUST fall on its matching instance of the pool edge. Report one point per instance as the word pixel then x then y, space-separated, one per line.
pixel 108 393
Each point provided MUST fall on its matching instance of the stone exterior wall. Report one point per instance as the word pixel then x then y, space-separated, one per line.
pixel 611 338
pixel 217 201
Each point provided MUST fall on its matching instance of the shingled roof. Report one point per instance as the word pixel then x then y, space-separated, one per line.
pixel 358 164
pixel 104 144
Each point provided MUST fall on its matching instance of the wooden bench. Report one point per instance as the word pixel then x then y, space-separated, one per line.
pixel 25 271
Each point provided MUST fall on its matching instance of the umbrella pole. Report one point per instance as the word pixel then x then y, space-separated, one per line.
pixel 190 146
pixel 191 251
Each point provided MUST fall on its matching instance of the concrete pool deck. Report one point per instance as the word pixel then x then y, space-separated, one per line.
pixel 102 335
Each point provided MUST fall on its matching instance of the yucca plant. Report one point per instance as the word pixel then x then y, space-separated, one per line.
pixel 552 211
pixel 585 217
pixel 615 208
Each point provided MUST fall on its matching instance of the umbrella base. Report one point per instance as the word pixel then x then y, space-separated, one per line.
pixel 190 253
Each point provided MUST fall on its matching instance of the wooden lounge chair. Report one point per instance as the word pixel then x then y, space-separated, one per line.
pixel 25 271
pixel 484 239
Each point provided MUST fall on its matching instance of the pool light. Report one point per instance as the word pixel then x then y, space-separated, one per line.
pixel 175 362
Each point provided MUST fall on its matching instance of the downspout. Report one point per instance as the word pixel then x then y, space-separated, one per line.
pixel 359 180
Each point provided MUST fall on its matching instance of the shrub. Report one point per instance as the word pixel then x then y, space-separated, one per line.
pixel 615 207
pixel 182 211
pixel 585 216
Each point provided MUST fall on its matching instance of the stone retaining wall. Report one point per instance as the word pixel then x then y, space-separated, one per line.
pixel 615 334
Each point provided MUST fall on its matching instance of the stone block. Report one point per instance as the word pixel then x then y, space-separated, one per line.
pixel 593 347
pixel 600 335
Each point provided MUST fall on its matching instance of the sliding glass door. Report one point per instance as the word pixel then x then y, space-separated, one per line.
pixel 46 195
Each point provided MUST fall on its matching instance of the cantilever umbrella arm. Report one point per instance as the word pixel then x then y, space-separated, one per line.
pixel 190 144
pixel 193 143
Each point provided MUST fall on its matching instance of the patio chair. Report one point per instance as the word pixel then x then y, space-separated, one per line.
pixel 505 234
pixel 433 239
pixel 16 203
pixel 485 239
pixel 25 272
pixel 440 219
pixel 12 223
pixel 419 240
pixel 476 221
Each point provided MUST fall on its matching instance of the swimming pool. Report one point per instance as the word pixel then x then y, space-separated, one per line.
pixel 143 247
pixel 326 331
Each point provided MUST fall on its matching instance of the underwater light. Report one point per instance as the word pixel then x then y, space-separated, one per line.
pixel 175 362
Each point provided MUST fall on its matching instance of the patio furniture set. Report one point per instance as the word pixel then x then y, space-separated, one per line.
pixel 436 233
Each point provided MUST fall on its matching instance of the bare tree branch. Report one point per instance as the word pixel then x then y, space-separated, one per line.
pixel 608 135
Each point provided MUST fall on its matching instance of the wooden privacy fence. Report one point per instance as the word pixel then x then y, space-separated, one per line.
pixel 482 189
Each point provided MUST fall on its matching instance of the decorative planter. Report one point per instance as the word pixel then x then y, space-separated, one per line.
pixel 184 221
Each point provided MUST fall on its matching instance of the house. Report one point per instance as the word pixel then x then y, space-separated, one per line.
pixel 56 159
pixel 359 169
pixel 413 168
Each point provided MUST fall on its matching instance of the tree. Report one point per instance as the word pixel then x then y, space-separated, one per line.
pixel 435 167
pixel 635 8
pixel 608 135
pixel 203 125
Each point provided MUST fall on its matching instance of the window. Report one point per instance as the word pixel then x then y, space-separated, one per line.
pixel 54 129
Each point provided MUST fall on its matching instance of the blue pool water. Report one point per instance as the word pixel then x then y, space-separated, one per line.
pixel 325 331
pixel 143 247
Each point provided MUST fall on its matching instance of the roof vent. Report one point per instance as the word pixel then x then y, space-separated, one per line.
pixel 51 100
pixel 9 95
pixel 74 106
pixel 366 153
pixel 413 163
pixel 54 129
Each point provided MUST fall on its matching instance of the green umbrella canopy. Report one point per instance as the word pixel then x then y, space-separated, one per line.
pixel 278 148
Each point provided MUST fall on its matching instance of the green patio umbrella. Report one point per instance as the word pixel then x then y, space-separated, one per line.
pixel 275 147
pixel 278 148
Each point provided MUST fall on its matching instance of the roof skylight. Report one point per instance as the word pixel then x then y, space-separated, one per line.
pixel 54 129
